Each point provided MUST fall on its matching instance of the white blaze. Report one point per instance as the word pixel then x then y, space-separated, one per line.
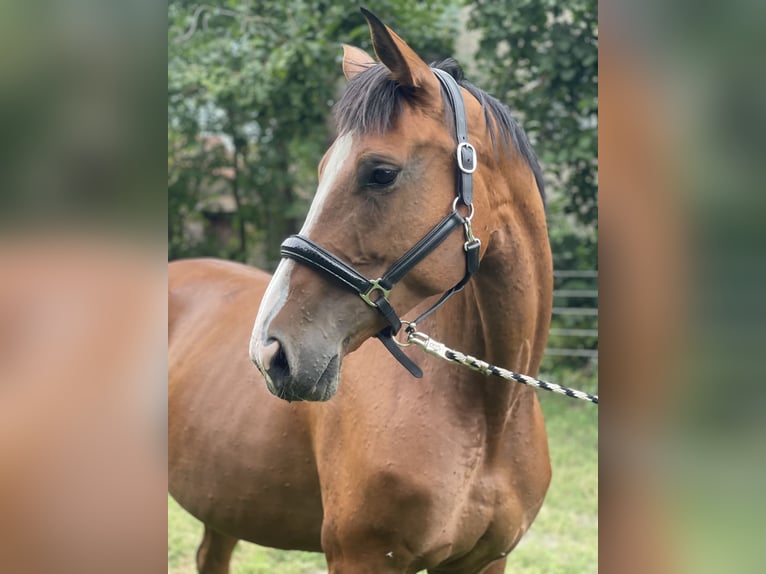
pixel 276 293
pixel 335 163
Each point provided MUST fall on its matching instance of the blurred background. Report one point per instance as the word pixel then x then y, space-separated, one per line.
pixel 82 287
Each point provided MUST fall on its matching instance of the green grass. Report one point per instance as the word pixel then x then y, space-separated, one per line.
pixel 563 539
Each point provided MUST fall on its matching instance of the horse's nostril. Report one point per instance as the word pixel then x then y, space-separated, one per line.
pixel 274 360
pixel 279 366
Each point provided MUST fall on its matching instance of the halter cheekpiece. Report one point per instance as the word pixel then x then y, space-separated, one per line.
pixel 375 292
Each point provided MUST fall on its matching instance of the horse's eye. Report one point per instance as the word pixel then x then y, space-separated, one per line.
pixel 381 177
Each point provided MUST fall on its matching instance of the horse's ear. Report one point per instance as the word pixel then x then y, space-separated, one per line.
pixel 355 60
pixel 406 67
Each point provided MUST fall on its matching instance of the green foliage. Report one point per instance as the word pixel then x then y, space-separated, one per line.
pixel 263 76
pixel 541 56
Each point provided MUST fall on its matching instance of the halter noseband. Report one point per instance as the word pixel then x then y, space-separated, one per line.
pixel 375 292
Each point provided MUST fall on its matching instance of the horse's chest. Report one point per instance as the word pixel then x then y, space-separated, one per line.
pixel 486 517
pixel 472 526
pixel 430 521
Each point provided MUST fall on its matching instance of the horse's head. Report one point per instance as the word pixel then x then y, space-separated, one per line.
pixel 385 183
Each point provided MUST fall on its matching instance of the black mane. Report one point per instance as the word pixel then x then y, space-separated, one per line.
pixel 373 101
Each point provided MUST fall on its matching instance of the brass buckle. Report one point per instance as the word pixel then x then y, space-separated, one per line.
pixel 376 286
pixel 470 241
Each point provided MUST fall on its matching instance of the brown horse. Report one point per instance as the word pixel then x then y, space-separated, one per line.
pixel 388 474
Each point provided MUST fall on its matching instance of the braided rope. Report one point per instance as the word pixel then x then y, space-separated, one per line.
pixel 438 349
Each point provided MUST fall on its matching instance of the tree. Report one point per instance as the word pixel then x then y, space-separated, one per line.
pixel 263 76
pixel 541 56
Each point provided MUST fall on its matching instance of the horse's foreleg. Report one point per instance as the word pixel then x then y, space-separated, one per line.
pixel 214 553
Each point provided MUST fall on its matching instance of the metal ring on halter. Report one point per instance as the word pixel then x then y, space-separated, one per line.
pixel 413 335
pixel 409 330
pixel 454 208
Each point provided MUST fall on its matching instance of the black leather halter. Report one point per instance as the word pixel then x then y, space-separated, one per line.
pixel 375 292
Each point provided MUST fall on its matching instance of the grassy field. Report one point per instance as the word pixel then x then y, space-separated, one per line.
pixel 563 539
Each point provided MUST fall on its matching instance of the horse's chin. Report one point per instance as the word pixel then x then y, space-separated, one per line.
pixel 321 389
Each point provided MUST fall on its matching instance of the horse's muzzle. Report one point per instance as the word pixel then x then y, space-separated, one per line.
pixel 293 377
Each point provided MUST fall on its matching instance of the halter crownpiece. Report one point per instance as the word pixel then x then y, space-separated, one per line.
pixel 375 292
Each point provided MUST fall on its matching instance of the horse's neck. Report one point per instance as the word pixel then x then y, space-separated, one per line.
pixel 503 314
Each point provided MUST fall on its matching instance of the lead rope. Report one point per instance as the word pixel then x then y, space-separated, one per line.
pixel 440 350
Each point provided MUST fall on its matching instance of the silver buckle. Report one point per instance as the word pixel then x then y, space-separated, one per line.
pixel 376 286
pixel 460 148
